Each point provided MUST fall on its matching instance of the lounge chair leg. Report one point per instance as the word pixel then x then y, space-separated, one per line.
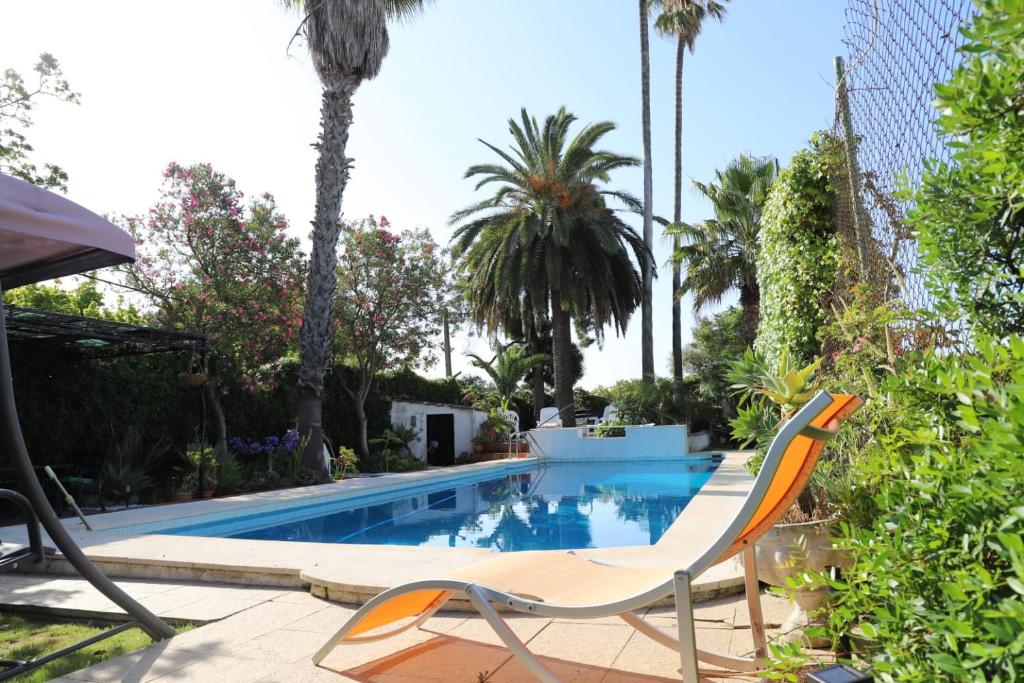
pixel 753 591
pixel 687 635
pixel 511 640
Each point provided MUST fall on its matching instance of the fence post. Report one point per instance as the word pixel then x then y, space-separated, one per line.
pixel 860 223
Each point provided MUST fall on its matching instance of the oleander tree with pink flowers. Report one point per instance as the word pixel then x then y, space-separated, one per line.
pixel 212 263
pixel 387 312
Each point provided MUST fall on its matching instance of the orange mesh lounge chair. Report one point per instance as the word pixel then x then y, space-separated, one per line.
pixel 560 584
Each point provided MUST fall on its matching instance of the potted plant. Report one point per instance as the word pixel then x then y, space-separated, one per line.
pixel 802 541
pixel 193 380
pixel 184 488
pixel 204 463
pixel 495 430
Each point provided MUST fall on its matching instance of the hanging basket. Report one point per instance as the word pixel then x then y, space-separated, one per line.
pixel 194 380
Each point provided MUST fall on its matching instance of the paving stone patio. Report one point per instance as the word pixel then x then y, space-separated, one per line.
pixel 270 635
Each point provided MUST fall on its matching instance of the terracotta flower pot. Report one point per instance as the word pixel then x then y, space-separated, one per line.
pixel 791 549
pixel 194 380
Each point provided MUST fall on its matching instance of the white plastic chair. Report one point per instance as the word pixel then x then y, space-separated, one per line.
pixel 548 418
pixel 513 417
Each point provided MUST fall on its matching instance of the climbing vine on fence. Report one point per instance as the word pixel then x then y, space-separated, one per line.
pixel 797 262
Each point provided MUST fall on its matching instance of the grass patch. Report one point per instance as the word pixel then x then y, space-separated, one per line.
pixel 27 637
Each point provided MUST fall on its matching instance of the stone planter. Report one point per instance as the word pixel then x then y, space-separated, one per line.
pixel 788 550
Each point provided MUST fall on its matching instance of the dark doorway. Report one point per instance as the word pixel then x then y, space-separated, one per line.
pixel 441 429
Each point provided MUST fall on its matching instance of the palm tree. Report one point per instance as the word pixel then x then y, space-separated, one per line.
pixel 646 309
pixel 510 365
pixel 348 40
pixel 720 253
pixel 547 235
pixel 682 19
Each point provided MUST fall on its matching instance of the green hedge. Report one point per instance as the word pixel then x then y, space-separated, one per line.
pixel 71 412
pixel 797 262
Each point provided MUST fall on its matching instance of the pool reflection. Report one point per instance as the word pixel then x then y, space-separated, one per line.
pixel 557 507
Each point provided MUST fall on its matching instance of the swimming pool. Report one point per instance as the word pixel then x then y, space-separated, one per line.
pixel 557 506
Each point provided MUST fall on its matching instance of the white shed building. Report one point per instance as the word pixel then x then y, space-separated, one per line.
pixel 451 426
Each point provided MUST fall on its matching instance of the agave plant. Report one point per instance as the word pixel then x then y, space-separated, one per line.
pixel 127 467
pixel 789 387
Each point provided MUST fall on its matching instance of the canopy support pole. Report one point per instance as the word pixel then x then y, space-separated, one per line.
pixel 14 443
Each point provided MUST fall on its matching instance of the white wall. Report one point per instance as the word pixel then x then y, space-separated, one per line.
pixel 467 424
pixel 698 441
pixel 649 442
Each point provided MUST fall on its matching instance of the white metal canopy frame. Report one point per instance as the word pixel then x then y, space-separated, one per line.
pixel 43 236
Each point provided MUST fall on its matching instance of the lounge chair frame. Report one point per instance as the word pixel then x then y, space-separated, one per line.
pixel 730 542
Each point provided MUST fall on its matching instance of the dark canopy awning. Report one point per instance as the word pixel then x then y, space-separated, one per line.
pixel 82 337
pixel 44 235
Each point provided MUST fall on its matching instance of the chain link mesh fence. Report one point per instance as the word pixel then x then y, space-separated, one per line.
pixel 885 115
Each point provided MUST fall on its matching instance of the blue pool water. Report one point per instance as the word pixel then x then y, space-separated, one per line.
pixel 559 506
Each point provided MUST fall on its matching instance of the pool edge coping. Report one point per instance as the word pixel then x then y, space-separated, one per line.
pixel 326 570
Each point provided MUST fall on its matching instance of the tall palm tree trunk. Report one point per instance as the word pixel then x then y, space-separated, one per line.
pixel 447 345
pixel 677 217
pixel 646 310
pixel 750 302
pixel 315 337
pixel 561 345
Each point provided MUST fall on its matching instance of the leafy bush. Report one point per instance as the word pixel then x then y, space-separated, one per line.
pixel 230 476
pixel 394 450
pixel 405 463
pixel 204 464
pixel 968 214
pixel 937 583
pixel 497 426
pixel 613 428
pixel 717 340
pixel 344 462
pixel 639 402
pixel 797 262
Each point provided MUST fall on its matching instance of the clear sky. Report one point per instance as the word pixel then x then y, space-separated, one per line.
pixel 215 81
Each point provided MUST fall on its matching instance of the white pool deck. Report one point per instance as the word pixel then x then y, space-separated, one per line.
pixel 352 573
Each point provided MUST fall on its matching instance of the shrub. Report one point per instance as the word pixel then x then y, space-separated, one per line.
pixel 717 340
pixel 344 462
pixel 937 581
pixel 969 215
pixel 797 262
pixel 229 473
pixel 405 463
pixel 640 402
pixel 128 468
pixel 611 429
